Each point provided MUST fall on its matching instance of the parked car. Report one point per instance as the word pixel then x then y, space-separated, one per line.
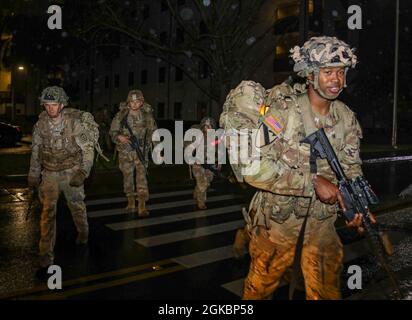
pixel 9 134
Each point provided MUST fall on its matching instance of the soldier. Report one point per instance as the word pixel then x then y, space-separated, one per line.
pixel 103 119
pixel 138 116
pixel 289 193
pixel 61 159
pixel 203 176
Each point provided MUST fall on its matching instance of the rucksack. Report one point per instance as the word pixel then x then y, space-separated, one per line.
pixel 243 110
pixel 91 130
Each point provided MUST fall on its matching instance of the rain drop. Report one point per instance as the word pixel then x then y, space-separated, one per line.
pixel 186 14
pixel 250 41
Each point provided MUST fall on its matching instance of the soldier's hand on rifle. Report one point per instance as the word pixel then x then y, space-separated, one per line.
pixel 327 192
pixel 123 139
pixel 357 222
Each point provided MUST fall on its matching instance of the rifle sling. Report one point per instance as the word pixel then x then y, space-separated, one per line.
pixel 310 127
pixel 297 270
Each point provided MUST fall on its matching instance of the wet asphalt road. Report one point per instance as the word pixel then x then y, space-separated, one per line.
pixel 115 266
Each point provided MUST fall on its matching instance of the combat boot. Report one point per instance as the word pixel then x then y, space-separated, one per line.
pixel 143 212
pixel 241 244
pixel 131 203
pixel 201 204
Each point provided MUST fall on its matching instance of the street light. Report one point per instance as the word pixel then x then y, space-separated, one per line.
pixel 395 85
pixel 20 68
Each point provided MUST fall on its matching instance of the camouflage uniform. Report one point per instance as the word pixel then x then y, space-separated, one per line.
pixel 276 212
pixel 103 119
pixel 61 154
pixel 141 123
pixel 203 177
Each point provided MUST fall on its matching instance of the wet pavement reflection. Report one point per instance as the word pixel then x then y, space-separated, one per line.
pixel 115 266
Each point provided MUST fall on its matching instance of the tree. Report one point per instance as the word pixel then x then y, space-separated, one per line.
pixel 222 39
pixel 5 42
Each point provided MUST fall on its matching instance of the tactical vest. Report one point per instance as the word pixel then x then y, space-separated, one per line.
pixel 59 152
pixel 138 123
pixel 300 123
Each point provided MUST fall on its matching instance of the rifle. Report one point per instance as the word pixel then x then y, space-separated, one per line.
pixel 134 142
pixel 213 168
pixel 357 195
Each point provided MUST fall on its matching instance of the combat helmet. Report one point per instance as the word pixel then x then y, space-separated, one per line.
pixel 54 94
pixel 134 95
pixel 319 52
pixel 208 121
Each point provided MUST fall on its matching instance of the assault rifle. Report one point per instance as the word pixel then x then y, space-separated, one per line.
pixel 135 142
pixel 357 195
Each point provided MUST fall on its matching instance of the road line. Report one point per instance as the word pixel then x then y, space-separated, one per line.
pixel 94 277
pixel 388 159
pixel 189 234
pixel 157 206
pixel 184 262
pixel 109 284
pixel 138 223
pixel 152 196
pixel 204 257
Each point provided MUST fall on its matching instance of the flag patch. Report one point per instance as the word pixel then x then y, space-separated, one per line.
pixel 273 124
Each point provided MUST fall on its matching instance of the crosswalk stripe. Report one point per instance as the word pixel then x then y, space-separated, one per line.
pixel 157 206
pixel 152 196
pixel 235 286
pixel 204 257
pixel 120 226
pixel 189 234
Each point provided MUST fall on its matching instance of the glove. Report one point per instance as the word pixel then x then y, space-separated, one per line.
pixel 78 178
pixel 33 182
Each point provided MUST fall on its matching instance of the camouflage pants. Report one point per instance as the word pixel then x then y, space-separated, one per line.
pixel 203 180
pixel 129 163
pixel 272 252
pixel 52 184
